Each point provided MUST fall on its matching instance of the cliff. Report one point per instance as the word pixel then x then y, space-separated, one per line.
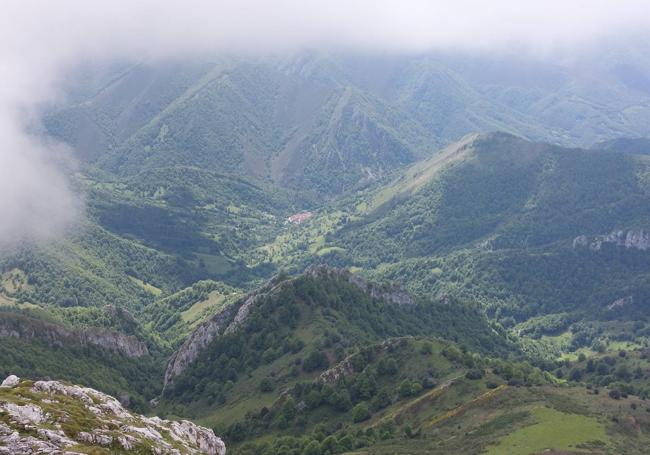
pixel 17 325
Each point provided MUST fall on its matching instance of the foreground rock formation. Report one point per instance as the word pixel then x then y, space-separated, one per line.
pixel 46 417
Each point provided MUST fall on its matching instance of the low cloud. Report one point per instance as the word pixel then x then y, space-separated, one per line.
pixel 41 40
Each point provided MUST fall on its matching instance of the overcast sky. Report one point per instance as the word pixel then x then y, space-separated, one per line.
pixel 40 40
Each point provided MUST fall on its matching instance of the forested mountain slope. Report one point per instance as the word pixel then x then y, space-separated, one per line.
pixel 525 228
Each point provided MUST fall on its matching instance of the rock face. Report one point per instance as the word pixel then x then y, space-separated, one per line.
pixel 232 317
pixel 199 339
pixel 346 366
pixel 47 417
pixel 633 238
pixel 224 322
pixel 26 328
pixel 389 293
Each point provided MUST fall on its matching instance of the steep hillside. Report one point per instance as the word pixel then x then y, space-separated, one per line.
pixel 326 123
pixel 328 362
pixel 102 348
pixel 524 228
pixel 295 122
pixel 317 317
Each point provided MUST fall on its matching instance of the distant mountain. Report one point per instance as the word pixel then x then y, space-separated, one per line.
pixel 526 228
pixel 637 146
pixel 326 124
pixel 290 122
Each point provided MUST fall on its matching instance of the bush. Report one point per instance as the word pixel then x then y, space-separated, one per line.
pixel 428 383
pixel 236 432
pixel 416 388
pixel 615 394
pixel 266 385
pixel 313 448
pixel 341 400
pixel 474 374
pixel 405 388
pixel 316 360
pixel 381 400
pixel 387 366
pixel 360 413
pixel 313 399
pixel 426 348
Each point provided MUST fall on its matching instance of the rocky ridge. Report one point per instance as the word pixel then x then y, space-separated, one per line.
pixel 26 328
pixel 631 239
pixel 231 317
pixel 46 417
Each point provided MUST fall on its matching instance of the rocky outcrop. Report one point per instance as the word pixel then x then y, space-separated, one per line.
pixel 198 340
pixel 26 328
pixel 346 367
pixel 390 293
pixel 52 417
pixel 117 342
pixel 631 239
pixel 620 303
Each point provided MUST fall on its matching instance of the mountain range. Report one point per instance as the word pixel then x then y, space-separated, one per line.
pixel 341 254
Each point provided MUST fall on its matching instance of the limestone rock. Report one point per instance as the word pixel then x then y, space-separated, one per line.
pixel 10 381
pixel 43 418
pixel 631 239
pixel 26 328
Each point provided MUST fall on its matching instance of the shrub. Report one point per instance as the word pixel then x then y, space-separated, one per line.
pixel 615 394
pixel 313 399
pixel 313 448
pixel 416 388
pixel 266 385
pixel 426 348
pixel 404 389
pixel 341 400
pixel 474 374
pixel 387 366
pixel 316 360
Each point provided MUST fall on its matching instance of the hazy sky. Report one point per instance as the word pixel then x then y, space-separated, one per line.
pixel 41 39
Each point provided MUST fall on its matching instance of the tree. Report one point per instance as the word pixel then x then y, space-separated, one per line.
pixel 340 400
pixel 360 413
pixel 315 360
pixel 313 448
pixel 615 394
pixel 289 409
pixel 405 388
pixel 387 366
pixel 474 374
pixel 266 385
